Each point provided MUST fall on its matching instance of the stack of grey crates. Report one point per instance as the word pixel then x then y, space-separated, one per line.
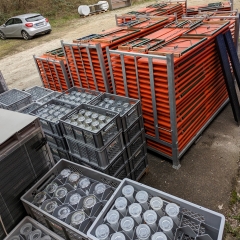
pixel 24 159
pixel 133 130
pixel 117 148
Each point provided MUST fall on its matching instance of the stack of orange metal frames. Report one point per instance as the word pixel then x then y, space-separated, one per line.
pixel 176 73
pixel 87 60
pixel 53 70
pixel 218 6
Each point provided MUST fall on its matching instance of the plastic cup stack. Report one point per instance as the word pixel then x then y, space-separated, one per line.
pixel 128 191
pixel 172 211
pixel 166 224
pixel 121 205
pixel 102 232
pixel 156 204
pixel 127 225
pixel 143 232
pixel 118 236
pixel 142 198
pixel 150 217
pixel 113 219
pixel 159 236
pixel 135 211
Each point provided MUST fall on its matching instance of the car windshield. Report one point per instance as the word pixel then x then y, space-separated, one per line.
pixel 34 18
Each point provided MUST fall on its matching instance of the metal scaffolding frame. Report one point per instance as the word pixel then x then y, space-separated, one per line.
pixel 63 69
pixel 176 155
pixel 87 47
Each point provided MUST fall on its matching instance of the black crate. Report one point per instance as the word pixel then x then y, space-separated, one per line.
pixel 100 157
pixel 128 117
pixel 93 139
pixel 72 91
pixel 135 143
pixel 137 156
pixel 50 126
pixel 60 142
pixel 58 153
pixel 140 169
pixel 133 131
pixel 111 169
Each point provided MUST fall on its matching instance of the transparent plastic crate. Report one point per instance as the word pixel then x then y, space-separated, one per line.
pixel 77 96
pixel 29 108
pixel 136 143
pixel 129 116
pixel 133 131
pixel 62 227
pixel 136 158
pixel 194 222
pixel 98 138
pixel 100 157
pixel 112 169
pixel 48 97
pixel 15 99
pixel 38 92
pixel 49 126
pixel 60 142
pixel 35 225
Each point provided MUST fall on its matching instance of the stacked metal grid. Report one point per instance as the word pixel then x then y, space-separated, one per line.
pixel 137 211
pixel 175 82
pixel 29 228
pixel 53 70
pixel 69 198
pixel 49 114
pixel 217 6
pixel 87 59
pixel 133 132
pixel 24 159
pixel 14 99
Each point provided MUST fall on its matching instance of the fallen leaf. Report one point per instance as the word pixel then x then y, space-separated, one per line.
pixel 220 207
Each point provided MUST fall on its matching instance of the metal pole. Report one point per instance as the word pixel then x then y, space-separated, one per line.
pixel 110 68
pixel 154 104
pixel 124 74
pixel 173 113
pixel 57 75
pixel 65 74
pixel 92 69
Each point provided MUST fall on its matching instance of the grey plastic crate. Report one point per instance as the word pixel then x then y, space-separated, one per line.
pixel 50 126
pixel 136 143
pixel 96 139
pixel 48 97
pixel 15 99
pixel 112 169
pixel 29 108
pixel 35 225
pixel 62 228
pixel 140 168
pixel 196 222
pixel 38 92
pixel 100 157
pixel 138 155
pixel 128 117
pixel 58 153
pixel 133 131
pixel 73 96
pixel 60 142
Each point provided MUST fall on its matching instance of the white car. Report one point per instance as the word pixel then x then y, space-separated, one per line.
pixel 25 26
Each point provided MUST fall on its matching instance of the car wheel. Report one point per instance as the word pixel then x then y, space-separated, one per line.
pixel 2 35
pixel 48 32
pixel 25 35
